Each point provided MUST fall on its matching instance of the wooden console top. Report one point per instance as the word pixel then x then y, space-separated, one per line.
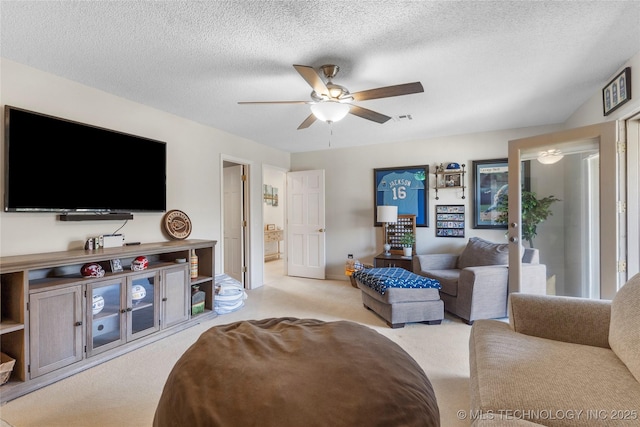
pixel 9 264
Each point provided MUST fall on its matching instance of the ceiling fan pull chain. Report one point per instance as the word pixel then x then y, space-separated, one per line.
pixel 330 132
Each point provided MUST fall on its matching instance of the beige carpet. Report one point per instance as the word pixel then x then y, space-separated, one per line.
pixel 125 390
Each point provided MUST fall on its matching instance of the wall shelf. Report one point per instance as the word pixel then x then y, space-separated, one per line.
pixel 448 178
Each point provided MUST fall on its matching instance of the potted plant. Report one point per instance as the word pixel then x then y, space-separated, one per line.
pixel 534 211
pixel 407 240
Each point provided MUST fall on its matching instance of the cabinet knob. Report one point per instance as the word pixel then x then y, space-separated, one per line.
pixel 129 309
pixel 123 311
pixel 164 299
pixel 78 323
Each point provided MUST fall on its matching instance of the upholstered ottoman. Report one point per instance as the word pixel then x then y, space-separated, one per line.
pixel 400 296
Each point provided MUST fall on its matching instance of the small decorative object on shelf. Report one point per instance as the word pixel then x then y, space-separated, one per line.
pixel 194 264
pixel 116 265
pixel 197 300
pixel 139 263
pixel 97 304
pixel 6 367
pixel 407 240
pixel 450 176
pixel 138 292
pixel 177 224
pixel 92 269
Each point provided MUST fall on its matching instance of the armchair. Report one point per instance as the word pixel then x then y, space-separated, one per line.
pixel 475 283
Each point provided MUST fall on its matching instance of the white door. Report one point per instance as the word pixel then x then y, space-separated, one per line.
pixel 233 222
pixel 581 242
pixel 306 224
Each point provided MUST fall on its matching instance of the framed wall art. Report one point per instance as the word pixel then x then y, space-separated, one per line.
pixel 405 187
pixel 449 220
pixel 490 184
pixel 617 92
pixel 268 194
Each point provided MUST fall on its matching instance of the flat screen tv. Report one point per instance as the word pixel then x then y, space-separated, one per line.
pixel 58 165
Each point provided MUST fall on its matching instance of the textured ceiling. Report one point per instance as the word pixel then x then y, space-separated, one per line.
pixel 484 65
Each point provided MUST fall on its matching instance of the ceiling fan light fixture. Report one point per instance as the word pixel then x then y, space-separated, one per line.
pixel 550 157
pixel 330 111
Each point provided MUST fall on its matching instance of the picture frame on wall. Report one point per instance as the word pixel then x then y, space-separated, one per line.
pixel 490 184
pixel 617 92
pixel 405 187
pixel 268 194
pixel 450 221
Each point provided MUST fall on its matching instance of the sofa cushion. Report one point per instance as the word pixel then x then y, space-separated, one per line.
pixel 537 377
pixel 448 279
pixel 624 332
pixel 381 279
pixel 480 252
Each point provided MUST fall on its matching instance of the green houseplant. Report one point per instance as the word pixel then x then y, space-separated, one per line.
pixel 407 240
pixel 534 212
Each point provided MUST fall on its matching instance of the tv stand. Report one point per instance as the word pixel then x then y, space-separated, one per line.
pixel 56 323
pixel 95 216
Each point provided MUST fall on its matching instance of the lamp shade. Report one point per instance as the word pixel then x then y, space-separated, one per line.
pixel 330 111
pixel 387 213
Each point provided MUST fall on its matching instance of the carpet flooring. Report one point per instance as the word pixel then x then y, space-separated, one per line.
pixel 124 391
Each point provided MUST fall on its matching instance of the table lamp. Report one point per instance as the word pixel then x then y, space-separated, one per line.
pixel 387 214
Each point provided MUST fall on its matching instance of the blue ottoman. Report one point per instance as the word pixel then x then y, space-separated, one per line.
pixel 400 296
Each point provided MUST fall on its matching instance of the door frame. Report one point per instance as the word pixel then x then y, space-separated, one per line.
pixel 246 201
pixel 607 135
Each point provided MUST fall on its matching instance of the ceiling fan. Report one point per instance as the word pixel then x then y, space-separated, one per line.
pixel 331 102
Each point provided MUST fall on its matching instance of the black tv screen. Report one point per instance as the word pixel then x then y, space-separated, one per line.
pixel 58 165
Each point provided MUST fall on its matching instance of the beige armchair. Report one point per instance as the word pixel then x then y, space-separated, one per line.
pixel 475 283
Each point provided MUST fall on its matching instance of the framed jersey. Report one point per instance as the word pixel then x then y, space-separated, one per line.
pixel 405 187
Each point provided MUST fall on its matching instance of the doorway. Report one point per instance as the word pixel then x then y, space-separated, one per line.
pixel 235 220
pixel 273 214
pixel 580 243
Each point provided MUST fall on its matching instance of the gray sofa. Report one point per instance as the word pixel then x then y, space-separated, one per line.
pixel 475 283
pixel 561 361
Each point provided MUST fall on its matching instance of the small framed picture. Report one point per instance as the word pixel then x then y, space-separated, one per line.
pixel 270 227
pixel 453 180
pixel 617 92
pixel 116 265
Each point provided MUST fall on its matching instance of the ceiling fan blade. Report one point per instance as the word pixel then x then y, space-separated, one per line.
pixel 311 76
pixel 307 122
pixel 388 91
pixel 275 102
pixel 368 114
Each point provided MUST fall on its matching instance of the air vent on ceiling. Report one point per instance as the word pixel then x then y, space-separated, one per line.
pixel 402 118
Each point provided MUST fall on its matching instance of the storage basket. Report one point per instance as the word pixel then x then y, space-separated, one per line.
pixel 6 367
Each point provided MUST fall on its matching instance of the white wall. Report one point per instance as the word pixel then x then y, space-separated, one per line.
pixel 591 111
pixel 194 154
pixel 349 190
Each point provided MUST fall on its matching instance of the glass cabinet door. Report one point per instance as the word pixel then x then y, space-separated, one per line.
pixel 105 324
pixel 142 305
